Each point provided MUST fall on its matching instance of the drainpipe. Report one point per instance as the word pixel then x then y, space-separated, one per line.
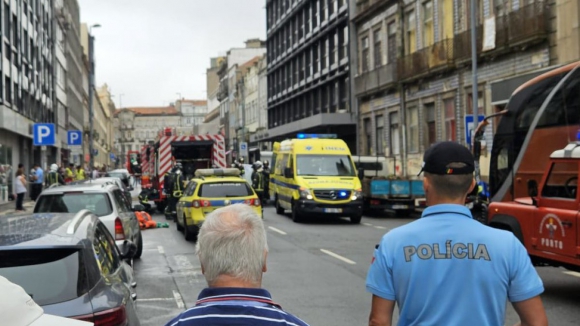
pixel 402 97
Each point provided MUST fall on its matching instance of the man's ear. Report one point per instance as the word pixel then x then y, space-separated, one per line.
pixel 473 185
pixel 202 268
pixel 265 265
pixel 425 183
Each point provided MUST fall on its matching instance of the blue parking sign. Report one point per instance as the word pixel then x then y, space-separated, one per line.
pixel 44 134
pixel 74 137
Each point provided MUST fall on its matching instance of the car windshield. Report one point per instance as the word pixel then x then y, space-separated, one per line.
pixel 324 165
pixel 49 276
pixel 225 189
pixel 73 202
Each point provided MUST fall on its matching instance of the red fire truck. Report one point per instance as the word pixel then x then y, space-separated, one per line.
pixel 193 152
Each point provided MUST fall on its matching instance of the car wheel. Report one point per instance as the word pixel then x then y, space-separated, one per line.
pixel 139 246
pixel 179 227
pixel 190 234
pixel 279 209
pixel 355 219
pixel 296 216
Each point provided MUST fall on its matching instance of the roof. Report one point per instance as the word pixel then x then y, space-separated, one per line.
pixel 254 61
pixel 195 102
pixel 152 110
pixel 42 229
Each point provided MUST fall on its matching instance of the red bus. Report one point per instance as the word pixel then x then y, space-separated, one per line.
pixel 542 115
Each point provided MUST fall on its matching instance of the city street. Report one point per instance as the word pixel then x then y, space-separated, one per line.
pixel 316 271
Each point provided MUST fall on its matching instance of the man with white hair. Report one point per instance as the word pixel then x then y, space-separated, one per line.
pixel 232 249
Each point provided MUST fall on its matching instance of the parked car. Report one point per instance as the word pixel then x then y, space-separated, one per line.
pixel 107 201
pixel 122 174
pixel 126 190
pixel 71 266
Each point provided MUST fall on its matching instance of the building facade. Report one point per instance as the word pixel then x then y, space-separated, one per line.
pixel 107 140
pixel 413 80
pixel 137 126
pixel 228 94
pixel 192 112
pixel 308 69
pixel 27 86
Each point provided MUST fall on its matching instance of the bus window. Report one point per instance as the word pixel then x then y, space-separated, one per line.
pixel 563 109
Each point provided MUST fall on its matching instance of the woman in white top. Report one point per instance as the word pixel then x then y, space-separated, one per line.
pixel 20 188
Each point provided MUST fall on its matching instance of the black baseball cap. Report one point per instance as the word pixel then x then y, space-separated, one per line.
pixel 438 157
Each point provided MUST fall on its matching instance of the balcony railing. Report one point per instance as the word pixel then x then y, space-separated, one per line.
pixel 376 79
pixel 524 26
pixel 431 59
pixel 363 5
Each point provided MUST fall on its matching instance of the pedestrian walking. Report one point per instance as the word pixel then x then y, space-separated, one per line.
pixel 20 188
pixel 232 249
pixel 446 268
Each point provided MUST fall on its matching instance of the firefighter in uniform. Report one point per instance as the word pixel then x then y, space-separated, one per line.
pixel 266 173
pixel 53 177
pixel 174 192
pixel 240 164
pixel 258 181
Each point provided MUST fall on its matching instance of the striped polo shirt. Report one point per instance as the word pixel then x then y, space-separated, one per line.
pixel 239 306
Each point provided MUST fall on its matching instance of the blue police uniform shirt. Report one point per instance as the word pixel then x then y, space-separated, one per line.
pixel 235 306
pixel 39 176
pixel 448 269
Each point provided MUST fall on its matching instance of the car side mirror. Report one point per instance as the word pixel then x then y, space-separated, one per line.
pixel 288 173
pixel 532 188
pixel 128 250
pixel 138 208
pixel 361 173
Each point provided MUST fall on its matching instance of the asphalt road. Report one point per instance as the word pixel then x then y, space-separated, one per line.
pixel 316 271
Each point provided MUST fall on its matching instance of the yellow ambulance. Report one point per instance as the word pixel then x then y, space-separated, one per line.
pixel 314 175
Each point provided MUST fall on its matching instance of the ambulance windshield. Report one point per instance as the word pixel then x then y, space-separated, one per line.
pixel 324 165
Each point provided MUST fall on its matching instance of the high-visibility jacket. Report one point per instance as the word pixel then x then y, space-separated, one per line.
pixel 258 181
pixel 177 186
pixel 68 173
pixel 81 174
pixel 53 178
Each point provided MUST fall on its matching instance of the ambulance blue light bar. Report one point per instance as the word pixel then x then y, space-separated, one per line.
pixel 321 136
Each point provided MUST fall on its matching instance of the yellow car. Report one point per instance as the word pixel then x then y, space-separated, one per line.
pixel 209 190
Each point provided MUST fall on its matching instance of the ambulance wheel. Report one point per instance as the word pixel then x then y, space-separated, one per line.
pixel 279 209
pixel 355 219
pixel 139 246
pixel 296 216
pixel 179 227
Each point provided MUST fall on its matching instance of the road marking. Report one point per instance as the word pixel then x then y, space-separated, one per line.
pixel 161 250
pixel 178 300
pixel 156 299
pixel 380 227
pixel 276 230
pixel 572 273
pixel 367 224
pixel 337 256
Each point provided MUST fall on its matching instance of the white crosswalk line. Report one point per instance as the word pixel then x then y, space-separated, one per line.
pixel 337 256
pixel 277 230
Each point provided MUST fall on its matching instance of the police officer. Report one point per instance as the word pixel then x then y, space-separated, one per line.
pixel 258 181
pixel 425 266
pixel 266 173
pixel 53 177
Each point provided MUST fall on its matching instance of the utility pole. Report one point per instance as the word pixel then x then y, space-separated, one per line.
pixel 242 91
pixel 474 95
pixel 91 95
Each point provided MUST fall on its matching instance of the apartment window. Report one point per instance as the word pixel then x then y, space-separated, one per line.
pixel 392 42
pixel 430 122
pixel 394 136
pixel 300 25
pixel 308 62
pixel 344 42
pixel 315 12
pixel 323 10
pixel 470 103
pixel 378 48
pixel 446 20
pixel 333 6
pixel 428 31
pixel 7 21
pixel 501 7
pixel 316 57
pixel 365 55
pixel 325 49
pixel 462 15
pixel 450 128
pixel 308 24
pixel 334 48
pixel 8 89
pixel 368 134
pixel 380 132
pixel 411 37
pixel 413 129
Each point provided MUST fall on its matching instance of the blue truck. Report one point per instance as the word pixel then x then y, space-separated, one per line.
pixel 400 196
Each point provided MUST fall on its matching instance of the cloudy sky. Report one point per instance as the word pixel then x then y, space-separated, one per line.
pixel 150 50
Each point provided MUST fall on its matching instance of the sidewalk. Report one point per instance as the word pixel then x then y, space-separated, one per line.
pixel 8 208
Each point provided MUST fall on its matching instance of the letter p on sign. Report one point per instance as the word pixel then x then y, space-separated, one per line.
pixel 44 134
pixel 75 137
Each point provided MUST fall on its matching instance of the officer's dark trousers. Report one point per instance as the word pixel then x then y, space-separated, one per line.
pixel 35 190
pixel 171 204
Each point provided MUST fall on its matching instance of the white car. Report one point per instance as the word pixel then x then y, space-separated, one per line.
pixel 107 201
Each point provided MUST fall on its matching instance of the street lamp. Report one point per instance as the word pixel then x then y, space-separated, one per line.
pixel 91 94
